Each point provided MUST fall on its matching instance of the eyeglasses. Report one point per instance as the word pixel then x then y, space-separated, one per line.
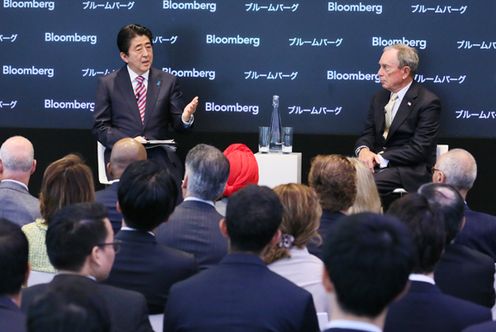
pixel 116 244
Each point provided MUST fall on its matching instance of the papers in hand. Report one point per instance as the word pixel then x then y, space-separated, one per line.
pixel 166 143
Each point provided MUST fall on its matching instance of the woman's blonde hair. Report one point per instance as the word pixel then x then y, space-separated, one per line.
pixel 367 197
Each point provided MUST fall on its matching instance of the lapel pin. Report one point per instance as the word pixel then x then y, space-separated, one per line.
pixel 158 83
pixel 409 103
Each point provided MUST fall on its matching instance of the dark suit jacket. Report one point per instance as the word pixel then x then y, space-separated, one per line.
pixel 424 308
pixel 479 232
pixel 342 330
pixel 194 227
pixel 467 274
pixel 150 268
pixel 327 221
pixel 17 204
pixel 108 197
pixel 239 294
pixel 127 309
pixel 412 138
pixel 483 327
pixel 12 319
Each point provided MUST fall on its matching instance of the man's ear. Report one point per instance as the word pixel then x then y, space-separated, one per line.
pixel 124 57
pixel 184 183
pixel 109 169
pixel 33 166
pixel 327 282
pixel 438 177
pixel 223 227
pixel 276 238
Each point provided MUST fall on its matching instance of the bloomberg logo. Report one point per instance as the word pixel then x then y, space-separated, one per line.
pixel 72 38
pixel 50 5
pixel 169 4
pixel 379 41
pixel 359 7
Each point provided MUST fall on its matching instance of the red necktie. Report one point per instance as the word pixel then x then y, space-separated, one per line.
pixel 141 97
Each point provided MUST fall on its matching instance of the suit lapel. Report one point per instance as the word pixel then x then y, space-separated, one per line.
pixel 404 110
pixel 123 84
pixel 154 85
pixel 379 114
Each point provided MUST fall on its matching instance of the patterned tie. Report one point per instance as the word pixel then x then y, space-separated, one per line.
pixel 388 113
pixel 141 97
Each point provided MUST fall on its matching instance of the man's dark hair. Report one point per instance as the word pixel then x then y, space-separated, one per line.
pixel 448 202
pixel 426 227
pixel 253 216
pixel 14 251
pixel 208 170
pixel 68 307
pixel 368 258
pixel 147 195
pixel 128 32
pixel 72 234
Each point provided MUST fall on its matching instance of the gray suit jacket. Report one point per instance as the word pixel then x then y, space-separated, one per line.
pixel 17 204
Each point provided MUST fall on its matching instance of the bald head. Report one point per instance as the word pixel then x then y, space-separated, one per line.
pixel 17 159
pixel 124 152
pixel 457 168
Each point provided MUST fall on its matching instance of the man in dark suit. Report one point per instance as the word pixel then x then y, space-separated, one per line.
pixel 241 293
pixel 378 244
pixel 458 168
pixel 194 225
pixel 15 270
pixel 147 196
pixel 399 140
pixel 424 307
pixel 17 163
pixel 80 245
pixel 124 152
pixel 474 271
pixel 139 101
pixel 333 179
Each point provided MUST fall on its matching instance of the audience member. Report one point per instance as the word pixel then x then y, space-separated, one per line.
pixel 15 271
pixel 124 152
pixel 80 244
pixel 241 293
pixel 65 181
pixel 368 258
pixel 147 196
pixel 333 179
pixel 458 168
pixel 243 170
pixel 73 307
pixel 367 197
pixel 425 308
pixel 194 225
pixel 17 163
pixel 290 257
pixel 474 271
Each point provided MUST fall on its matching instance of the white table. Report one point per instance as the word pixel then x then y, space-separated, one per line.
pixel 278 168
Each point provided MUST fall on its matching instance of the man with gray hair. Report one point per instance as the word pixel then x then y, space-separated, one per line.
pixel 398 142
pixel 458 168
pixel 17 163
pixel 194 225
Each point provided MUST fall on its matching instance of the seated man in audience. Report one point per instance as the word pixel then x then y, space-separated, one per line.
pixel 241 293
pixel 333 177
pixel 80 245
pixel 474 271
pixel 15 271
pixel 17 163
pixel 147 196
pixel 124 152
pixel 458 168
pixel 424 308
pixel 382 247
pixel 194 225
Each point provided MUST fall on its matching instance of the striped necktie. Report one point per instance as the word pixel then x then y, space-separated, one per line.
pixel 140 93
pixel 388 113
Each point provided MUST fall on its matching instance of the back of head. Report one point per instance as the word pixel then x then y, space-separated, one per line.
pixel 17 155
pixel 459 168
pixel 68 307
pixel 243 168
pixel 73 232
pixel 147 195
pixel 13 257
pixel 65 181
pixel 207 170
pixel 367 197
pixel 447 202
pixel 124 152
pixel 407 56
pixel 300 219
pixel 128 32
pixel 426 227
pixel 368 258
pixel 253 216
pixel 333 178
